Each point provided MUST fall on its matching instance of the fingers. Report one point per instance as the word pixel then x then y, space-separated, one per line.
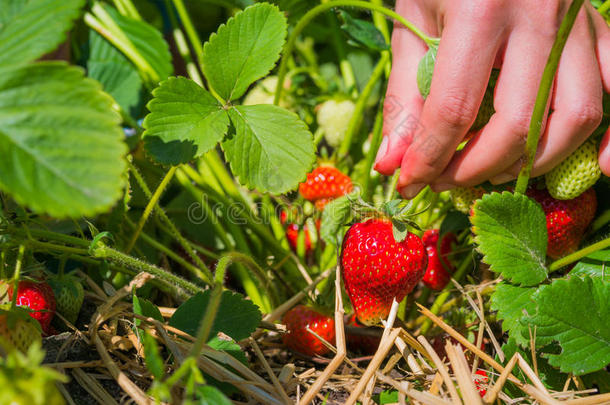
pixel 463 66
pixel 403 102
pixel 602 32
pixel 577 102
pixel 502 140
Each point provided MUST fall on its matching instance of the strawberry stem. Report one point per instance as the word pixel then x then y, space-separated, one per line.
pixel 542 97
pixel 573 257
pixel 16 274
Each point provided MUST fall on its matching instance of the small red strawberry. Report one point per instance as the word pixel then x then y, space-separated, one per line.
pixel 38 297
pixel 297 338
pixel 566 220
pixel 361 343
pixel 292 233
pixel 325 183
pixel 437 276
pixel 376 269
pixel 480 381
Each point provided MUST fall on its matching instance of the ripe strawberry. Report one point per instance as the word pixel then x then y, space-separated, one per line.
pixel 69 295
pixel 437 276
pixel 325 182
pixel 480 381
pixel 464 197
pixel 376 269
pixel 566 220
pixel 333 118
pixel 297 338
pixel 17 329
pixel 292 233
pixel 576 174
pixel 39 297
pixel 361 343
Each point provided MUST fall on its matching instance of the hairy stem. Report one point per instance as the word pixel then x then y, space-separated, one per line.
pixel 152 202
pixel 573 257
pixel 542 97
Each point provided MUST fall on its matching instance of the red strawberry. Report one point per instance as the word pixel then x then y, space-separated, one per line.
pixel 437 276
pixel 325 182
pixel 480 380
pixel 39 297
pixel 566 220
pixel 361 343
pixel 376 269
pixel 292 233
pixel 297 338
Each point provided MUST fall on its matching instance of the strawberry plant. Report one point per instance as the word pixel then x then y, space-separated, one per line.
pixel 188 194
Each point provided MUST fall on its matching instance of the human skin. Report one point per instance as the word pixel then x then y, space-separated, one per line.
pixel 515 36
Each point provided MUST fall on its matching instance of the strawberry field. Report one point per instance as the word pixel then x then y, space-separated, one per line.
pixel 191 213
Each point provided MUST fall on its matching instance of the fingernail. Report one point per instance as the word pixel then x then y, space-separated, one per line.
pixel 502 178
pixel 411 190
pixel 383 149
pixel 437 188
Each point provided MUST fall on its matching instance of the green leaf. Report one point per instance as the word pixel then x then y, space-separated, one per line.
pixel 510 230
pixel 594 265
pixel 154 362
pixel 399 230
pixel 230 347
pixel 29 29
pixel 272 148
pixel 425 69
pixel 244 49
pixel 185 121
pixel 118 76
pixel 209 395
pixel 60 142
pixel 147 40
pixel 575 313
pixel 513 305
pixel 454 221
pixel 386 397
pixel 363 32
pixel 237 317
pixel 146 308
pixel 335 215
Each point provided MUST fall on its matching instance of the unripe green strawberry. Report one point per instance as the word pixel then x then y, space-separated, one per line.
pixel 576 174
pixel 333 118
pixel 69 296
pixel 264 93
pixel 464 197
pixel 18 330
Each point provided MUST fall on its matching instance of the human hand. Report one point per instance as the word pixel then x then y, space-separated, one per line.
pixel 515 36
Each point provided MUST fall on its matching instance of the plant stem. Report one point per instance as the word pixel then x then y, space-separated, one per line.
pixel 349 80
pixel 601 220
pixel 442 297
pixel 104 25
pixel 208 320
pixel 542 97
pixel 573 257
pixel 314 12
pixel 170 253
pixel 604 8
pixel 17 274
pixel 154 199
pixel 182 45
pixel 382 25
pixel 168 222
pixel 191 33
pixel 392 186
pixel 356 119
